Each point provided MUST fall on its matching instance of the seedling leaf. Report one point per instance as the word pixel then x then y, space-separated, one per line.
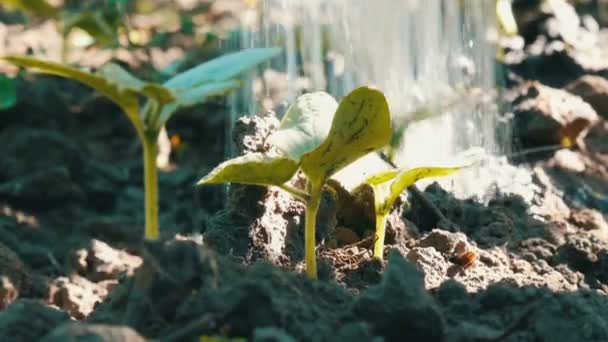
pixel 255 168
pixel 125 81
pixel 361 125
pixel 123 96
pixel 388 185
pixel 221 69
pixel 8 92
pixel 38 8
pixel 305 125
pixel 386 199
pixel 382 177
pixel 195 96
pixel 505 17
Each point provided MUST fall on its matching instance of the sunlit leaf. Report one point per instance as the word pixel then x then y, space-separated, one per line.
pixel 126 98
pixel 382 177
pixel 222 68
pixel 8 92
pixel 305 125
pixel 505 17
pixel 38 8
pixel 404 179
pixel 361 125
pixel 195 96
pixel 389 185
pixel 361 169
pixel 256 168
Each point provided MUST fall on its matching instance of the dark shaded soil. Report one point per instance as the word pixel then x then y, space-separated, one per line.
pixel 72 261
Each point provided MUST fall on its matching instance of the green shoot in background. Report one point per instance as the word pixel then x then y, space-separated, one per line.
pixel 8 92
pixel 189 88
pixel 319 137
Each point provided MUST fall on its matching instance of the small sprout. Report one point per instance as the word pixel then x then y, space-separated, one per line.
pixel 191 87
pixel 320 137
pixel 388 186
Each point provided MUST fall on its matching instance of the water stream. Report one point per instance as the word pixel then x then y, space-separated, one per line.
pixel 432 58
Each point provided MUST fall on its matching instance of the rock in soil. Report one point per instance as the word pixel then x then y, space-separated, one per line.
pixel 8 292
pixel 568 160
pixel 76 295
pixel 544 116
pixel 431 263
pixel 93 332
pixel 102 262
pixel 13 275
pixel 594 90
pixel 559 46
pixel 28 320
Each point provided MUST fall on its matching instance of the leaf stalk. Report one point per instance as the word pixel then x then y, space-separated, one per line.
pixel 312 206
pixel 150 151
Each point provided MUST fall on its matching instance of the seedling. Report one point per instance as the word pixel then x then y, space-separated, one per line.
pixel 189 88
pixel 319 137
pixel 389 185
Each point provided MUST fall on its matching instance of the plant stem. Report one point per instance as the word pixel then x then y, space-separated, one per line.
pixel 379 238
pixel 151 187
pixel 312 205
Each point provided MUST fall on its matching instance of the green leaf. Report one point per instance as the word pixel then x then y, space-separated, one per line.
pixel 101 24
pixel 111 80
pixel 386 193
pixel 124 97
pixel 255 168
pixel 388 185
pixel 506 20
pixel 38 8
pixel 361 125
pixel 195 96
pixel 8 92
pixel 305 125
pixel 221 69
pixel 125 81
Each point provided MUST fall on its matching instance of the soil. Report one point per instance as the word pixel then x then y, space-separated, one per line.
pixel 528 264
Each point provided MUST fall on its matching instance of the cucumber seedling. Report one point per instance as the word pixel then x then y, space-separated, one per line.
pixel 320 137
pixel 186 89
pixel 389 185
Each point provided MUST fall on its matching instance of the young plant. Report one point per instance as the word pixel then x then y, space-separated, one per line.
pixel 389 185
pixel 319 137
pixel 191 87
